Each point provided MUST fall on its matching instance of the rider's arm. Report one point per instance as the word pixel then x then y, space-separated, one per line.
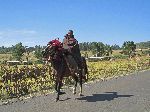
pixel 72 42
pixel 65 43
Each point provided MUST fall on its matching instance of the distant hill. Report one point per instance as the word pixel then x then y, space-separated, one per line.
pixel 143 45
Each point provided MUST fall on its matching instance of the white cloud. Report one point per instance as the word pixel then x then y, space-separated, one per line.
pixel 25 32
pixel 11 37
pixel 17 33
pixel 31 43
pixel 1 33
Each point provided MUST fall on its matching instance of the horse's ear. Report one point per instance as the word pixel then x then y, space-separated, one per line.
pixel 57 39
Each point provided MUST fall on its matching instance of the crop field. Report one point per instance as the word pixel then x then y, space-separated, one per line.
pixel 17 81
pixel 109 69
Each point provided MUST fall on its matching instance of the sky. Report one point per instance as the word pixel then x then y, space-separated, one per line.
pixel 36 22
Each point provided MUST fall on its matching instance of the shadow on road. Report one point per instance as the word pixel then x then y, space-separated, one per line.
pixel 65 99
pixel 103 97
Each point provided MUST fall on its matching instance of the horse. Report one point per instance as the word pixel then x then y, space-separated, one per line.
pixel 55 54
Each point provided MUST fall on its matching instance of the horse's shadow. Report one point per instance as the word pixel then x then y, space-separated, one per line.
pixel 108 96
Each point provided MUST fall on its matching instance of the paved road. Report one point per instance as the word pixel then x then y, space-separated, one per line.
pixel 124 94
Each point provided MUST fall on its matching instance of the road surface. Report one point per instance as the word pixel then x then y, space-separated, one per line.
pixel 124 94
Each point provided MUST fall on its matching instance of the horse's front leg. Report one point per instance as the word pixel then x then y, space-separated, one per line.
pixel 80 94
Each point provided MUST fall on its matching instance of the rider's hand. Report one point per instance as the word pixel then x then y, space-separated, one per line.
pixel 69 50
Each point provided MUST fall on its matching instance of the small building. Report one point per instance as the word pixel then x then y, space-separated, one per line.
pixel 27 62
pixel 24 62
pixel 13 63
pixel 99 58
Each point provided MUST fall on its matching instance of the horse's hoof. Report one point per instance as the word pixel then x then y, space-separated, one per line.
pixel 61 93
pixel 81 94
pixel 57 99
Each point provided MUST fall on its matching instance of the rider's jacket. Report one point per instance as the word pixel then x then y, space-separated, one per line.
pixel 69 42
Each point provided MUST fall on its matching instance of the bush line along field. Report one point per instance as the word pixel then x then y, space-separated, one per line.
pixel 17 81
pixel 9 57
pixel 108 69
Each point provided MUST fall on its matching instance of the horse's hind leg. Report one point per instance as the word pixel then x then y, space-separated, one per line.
pixel 56 84
pixel 74 89
pixel 58 90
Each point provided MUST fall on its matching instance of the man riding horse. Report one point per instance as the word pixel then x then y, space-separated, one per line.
pixel 70 44
pixel 66 61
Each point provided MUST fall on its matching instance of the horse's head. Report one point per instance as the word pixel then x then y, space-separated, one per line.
pixel 53 47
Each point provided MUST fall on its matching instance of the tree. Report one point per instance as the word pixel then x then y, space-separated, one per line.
pixel 98 48
pixel 108 50
pixel 115 47
pixel 143 45
pixel 18 51
pixel 128 48
pixel 38 52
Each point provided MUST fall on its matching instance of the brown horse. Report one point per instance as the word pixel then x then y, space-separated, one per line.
pixel 62 68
